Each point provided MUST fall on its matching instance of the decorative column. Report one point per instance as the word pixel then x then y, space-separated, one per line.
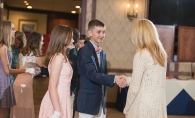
pixel 146 8
pixel 88 12
pixel 1 10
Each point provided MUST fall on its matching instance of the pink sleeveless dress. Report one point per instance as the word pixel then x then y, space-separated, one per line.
pixel 46 108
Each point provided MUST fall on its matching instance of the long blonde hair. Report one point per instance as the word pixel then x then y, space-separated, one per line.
pixel 145 36
pixel 5 35
pixel 21 37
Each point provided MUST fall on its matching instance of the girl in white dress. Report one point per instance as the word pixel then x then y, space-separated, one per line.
pixel 23 89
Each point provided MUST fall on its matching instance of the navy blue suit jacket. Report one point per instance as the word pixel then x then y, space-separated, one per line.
pixel 93 79
pixel 73 59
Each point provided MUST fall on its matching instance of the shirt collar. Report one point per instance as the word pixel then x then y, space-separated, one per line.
pixel 93 44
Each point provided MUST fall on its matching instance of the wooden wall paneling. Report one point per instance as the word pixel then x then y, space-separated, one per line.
pixel 69 23
pixel 55 22
pixel 167 35
pixel 82 16
pixel 186 44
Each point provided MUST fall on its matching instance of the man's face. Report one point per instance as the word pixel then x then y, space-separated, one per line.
pixel 97 34
pixel 80 43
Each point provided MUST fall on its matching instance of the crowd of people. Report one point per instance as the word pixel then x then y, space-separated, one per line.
pixel 78 74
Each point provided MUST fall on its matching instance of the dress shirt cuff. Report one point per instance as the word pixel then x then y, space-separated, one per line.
pixel 114 79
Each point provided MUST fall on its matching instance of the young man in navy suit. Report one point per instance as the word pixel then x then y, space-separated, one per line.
pixel 73 59
pixel 92 68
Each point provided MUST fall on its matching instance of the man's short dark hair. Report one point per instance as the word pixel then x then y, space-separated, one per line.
pixel 76 35
pixel 83 37
pixel 94 23
pixel 86 40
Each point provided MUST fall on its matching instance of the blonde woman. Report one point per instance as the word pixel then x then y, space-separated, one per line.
pixel 146 95
pixel 19 43
pixel 7 99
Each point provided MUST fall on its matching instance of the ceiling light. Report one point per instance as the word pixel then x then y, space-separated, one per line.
pixel 25 1
pixel 73 12
pixel 77 7
pixel 29 7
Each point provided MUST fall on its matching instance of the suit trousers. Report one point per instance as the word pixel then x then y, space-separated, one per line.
pixel 99 115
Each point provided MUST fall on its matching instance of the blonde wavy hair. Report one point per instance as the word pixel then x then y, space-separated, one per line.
pixel 145 36
pixel 5 36
pixel 22 37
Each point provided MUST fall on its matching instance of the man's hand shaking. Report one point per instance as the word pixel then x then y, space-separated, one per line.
pixel 121 81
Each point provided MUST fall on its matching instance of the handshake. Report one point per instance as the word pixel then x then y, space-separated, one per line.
pixel 121 81
pixel 33 71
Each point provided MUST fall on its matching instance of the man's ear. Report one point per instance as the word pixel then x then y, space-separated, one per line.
pixel 89 33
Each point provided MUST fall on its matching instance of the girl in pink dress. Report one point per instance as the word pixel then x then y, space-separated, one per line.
pixel 56 102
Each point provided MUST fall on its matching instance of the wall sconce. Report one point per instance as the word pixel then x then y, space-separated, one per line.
pixel 132 11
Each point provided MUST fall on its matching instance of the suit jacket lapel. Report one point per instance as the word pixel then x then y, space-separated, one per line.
pixel 94 58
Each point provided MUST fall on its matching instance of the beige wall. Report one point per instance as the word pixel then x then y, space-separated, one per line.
pixel 41 19
pixel 120 50
pixel 4 14
pixel 117 44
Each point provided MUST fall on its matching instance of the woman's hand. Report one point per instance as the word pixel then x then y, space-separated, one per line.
pixel 30 71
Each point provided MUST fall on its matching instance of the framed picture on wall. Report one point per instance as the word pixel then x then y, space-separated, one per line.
pixel 27 26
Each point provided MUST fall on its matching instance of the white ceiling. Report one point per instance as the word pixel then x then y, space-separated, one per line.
pixel 49 5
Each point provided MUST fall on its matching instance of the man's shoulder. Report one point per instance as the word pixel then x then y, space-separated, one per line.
pixel 84 49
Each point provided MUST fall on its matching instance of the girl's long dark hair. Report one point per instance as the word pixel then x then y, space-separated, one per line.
pixel 61 37
pixel 33 44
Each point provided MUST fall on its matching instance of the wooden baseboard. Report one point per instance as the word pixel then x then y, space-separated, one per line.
pixel 120 70
pixel 110 104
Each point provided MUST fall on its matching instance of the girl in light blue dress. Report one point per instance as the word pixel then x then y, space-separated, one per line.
pixel 20 42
